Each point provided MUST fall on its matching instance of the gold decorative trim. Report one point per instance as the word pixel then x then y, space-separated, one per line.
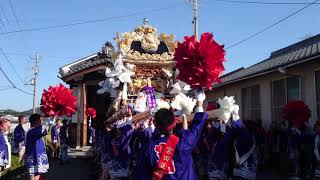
pixel 134 55
pixel 150 63
pixel 150 41
pixel 169 41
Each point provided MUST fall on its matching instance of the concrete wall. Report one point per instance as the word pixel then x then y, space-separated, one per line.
pixel 306 71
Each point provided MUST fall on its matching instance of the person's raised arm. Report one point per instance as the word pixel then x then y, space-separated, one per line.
pixel 184 122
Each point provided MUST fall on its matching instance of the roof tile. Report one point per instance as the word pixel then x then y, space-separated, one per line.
pixel 291 54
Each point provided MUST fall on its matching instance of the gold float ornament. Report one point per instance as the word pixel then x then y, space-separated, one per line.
pixel 169 41
pixel 150 41
pixel 135 55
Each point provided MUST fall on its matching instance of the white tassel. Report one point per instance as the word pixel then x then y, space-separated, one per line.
pixel 183 103
pixel 227 109
pixel 180 87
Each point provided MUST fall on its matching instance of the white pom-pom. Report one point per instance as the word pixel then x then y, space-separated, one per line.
pixel 125 77
pixel 235 113
pixel 227 109
pixel 162 104
pixel 183 103
pixel 108 85
pixel 180 87
pixel 227 103
pixel 223 115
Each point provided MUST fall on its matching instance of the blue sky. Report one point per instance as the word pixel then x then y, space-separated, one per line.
pixel 229 22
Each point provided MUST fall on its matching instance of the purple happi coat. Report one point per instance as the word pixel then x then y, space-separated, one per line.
pixel 36 159
pixel 118 153
pixel 19 136
pixel 237 142
pixel 4 153
pixel 182 159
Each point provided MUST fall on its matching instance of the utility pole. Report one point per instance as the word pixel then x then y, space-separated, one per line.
pixel 195 18
pixel 36 70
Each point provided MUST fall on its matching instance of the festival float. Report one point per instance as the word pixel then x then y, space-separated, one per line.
pixel 146 71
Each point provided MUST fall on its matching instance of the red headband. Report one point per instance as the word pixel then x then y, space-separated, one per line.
pixel 170 126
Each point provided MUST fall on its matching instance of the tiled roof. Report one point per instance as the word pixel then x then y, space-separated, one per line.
pixel 92 61
pixel 296 53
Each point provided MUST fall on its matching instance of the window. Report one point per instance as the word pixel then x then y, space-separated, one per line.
pixel 250 98
pixel 293 88
pixel 317 77
pixel 284 90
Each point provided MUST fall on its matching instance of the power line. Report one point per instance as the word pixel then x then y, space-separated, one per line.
pixel 92 21
pixel 14 14
pixel 272 25
pixel 7 88
pixel 17 21
pixel 11 65
pixel 48 56
pixel 4 14
pixel 265 3
pixel 23 91
pixel 3 25
pixel 13 85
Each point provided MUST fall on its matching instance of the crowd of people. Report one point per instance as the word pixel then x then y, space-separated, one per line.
pixel 205 148
pixel 173 145
pixel 34 146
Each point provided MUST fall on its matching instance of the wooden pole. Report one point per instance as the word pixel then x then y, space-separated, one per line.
pixel 195 18
pixel 79 117
pixel 83 114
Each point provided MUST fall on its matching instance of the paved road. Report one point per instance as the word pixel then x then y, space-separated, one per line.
pixel 78 169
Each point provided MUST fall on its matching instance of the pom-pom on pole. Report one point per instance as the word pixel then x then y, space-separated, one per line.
pixel 200 64
pixel 58 101
pixel 296 113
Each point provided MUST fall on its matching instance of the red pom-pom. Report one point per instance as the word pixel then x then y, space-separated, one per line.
pixel 296 113
pixel 58 101
pixel 91 112
pixel 200 64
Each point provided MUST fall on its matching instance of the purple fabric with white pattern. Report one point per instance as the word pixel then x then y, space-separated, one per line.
pixel 151 98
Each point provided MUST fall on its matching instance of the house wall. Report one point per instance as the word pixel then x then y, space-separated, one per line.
pixel 74 118
pixel 99 102
pixel 306 71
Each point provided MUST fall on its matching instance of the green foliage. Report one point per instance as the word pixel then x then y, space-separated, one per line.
pixel 15 169
pixel 17 113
